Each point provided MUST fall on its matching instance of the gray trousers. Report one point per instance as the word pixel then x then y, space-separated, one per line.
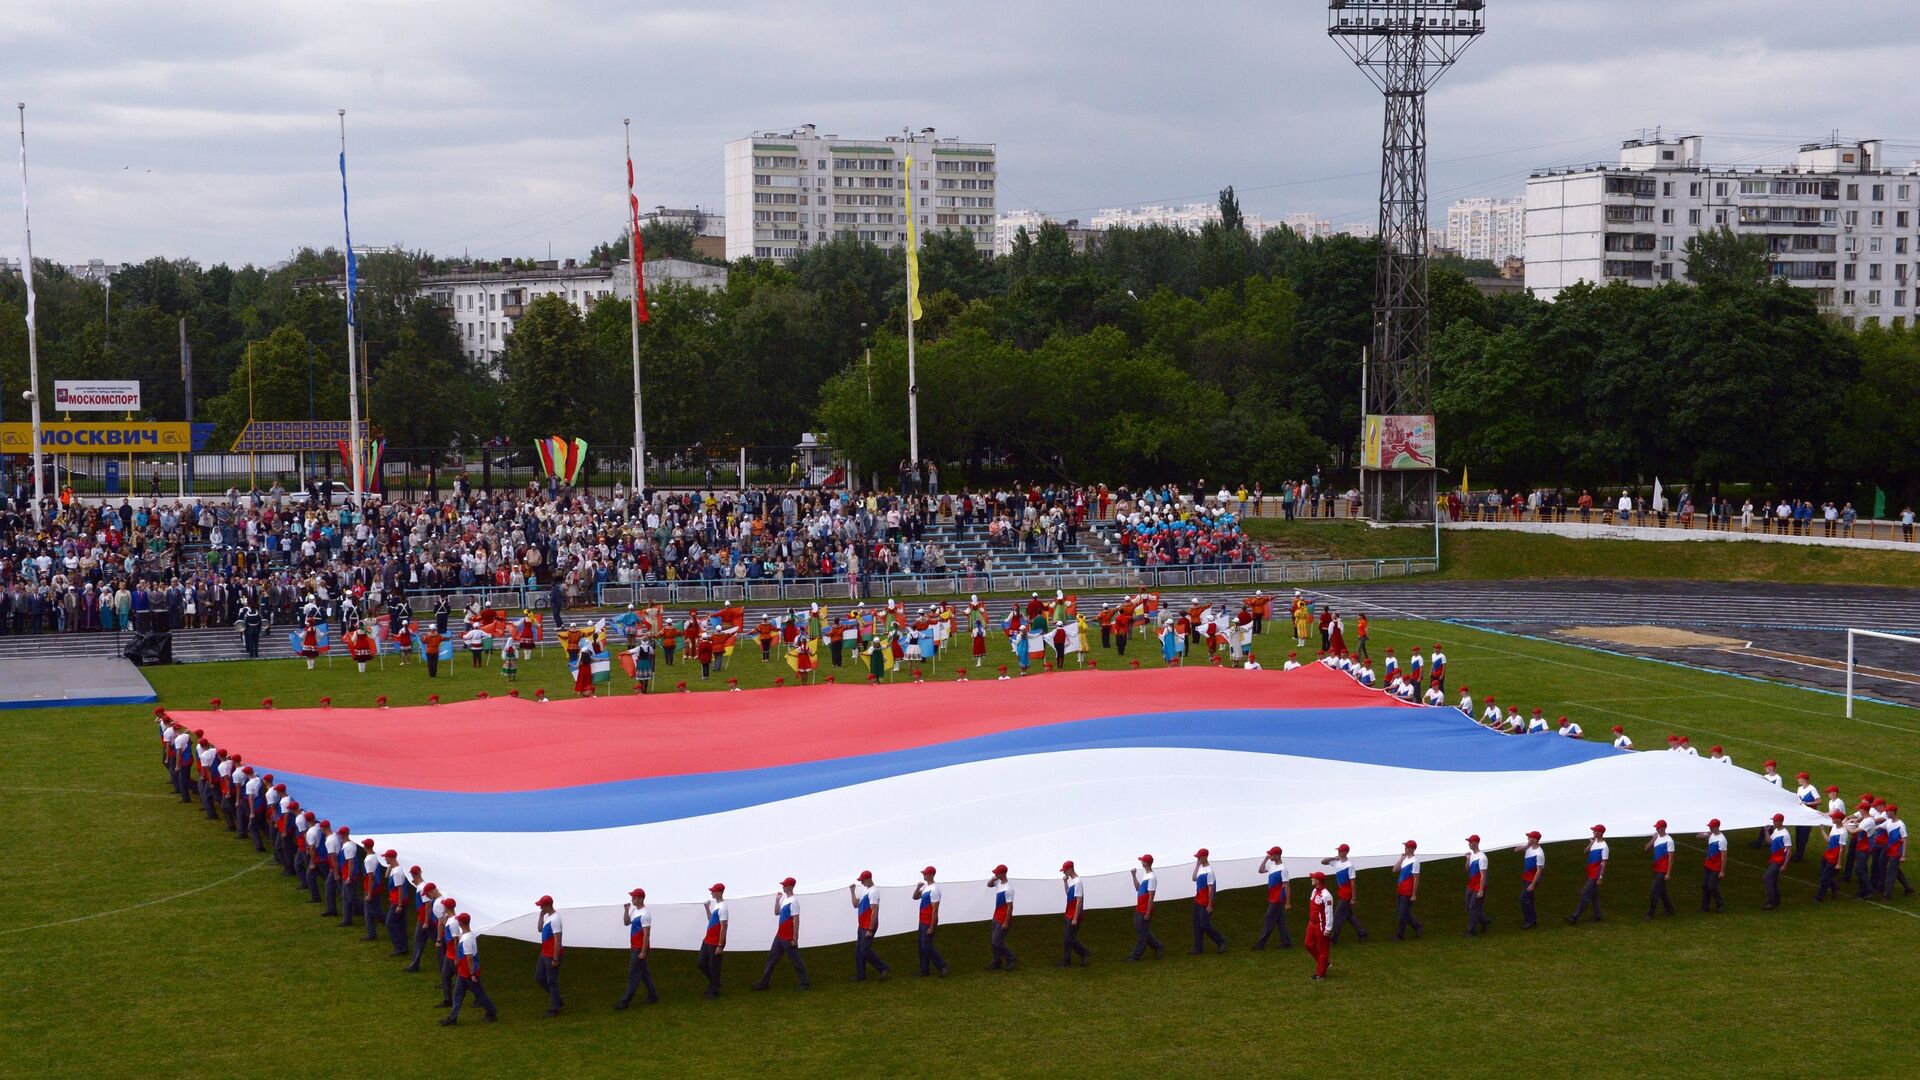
pixel 546 975
pixel 1589 894
pixel 1274 922
pixel 1408 919
pixel 930 958
pixel 863 955
pixel 1477 921
pixel 1203 929
pixel 1002 956
pixel 638 976
pixel 1710 890
pixel 1657 895
pixel 787 950
pixel 1143 938
pixel 1343 917
pixel 1771 880
pixel 471 986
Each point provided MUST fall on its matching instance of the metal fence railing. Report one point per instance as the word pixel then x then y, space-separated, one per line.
pixel 1760 524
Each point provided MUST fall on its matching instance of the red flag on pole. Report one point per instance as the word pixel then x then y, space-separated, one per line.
pixel 639 253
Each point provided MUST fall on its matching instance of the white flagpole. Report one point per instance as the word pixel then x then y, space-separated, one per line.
pixel 33 337
pixel 633 253
pixel 353 362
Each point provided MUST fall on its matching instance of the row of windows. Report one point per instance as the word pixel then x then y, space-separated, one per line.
pixel 963 166
pixel 982 201
pixel 966 185
pixel 1645 187
pixel 776 198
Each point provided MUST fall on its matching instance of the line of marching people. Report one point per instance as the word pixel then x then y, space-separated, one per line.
pixel 363 886
pixel 1864 843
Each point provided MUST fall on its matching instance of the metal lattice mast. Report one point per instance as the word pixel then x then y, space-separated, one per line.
pixel 1403 46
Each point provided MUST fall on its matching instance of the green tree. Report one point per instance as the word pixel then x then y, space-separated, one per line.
pixel 272 383
pixel 551 380
pixel 1721 256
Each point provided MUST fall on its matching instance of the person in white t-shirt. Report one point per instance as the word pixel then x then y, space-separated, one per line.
pixel 927 896
pixel 546 969
pixel 639 923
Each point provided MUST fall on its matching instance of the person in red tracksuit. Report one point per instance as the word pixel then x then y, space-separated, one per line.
pixel 1319 939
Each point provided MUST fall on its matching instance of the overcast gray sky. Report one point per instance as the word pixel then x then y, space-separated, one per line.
pixel 207 129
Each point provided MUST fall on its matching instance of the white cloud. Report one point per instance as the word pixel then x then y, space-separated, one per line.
pixel 209 129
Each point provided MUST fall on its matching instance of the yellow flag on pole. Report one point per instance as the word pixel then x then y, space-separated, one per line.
pixel 1463 481
pixel 913 252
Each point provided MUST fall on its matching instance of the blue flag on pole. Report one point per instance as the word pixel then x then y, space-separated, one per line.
pixel 353 274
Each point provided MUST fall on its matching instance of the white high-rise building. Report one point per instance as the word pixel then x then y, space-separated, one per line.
pixel 1490 229
pixel 1838 221
pixel 1308 226
pixel 788 191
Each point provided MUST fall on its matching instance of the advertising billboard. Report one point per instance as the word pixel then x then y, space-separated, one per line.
pixel 96 395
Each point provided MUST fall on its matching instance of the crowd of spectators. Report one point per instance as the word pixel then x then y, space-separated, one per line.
pixel 1780 515
pixel 171 564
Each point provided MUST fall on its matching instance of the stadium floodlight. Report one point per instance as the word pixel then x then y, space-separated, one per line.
pixel 1403 46
pixel 1879 634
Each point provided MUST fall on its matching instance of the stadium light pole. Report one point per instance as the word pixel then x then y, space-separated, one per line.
pixel 1402 46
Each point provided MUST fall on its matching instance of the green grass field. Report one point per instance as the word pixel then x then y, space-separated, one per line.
pixel 1502 555
pixel 141 940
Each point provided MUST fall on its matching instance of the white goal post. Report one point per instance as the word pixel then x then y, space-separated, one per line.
pixel 1881 634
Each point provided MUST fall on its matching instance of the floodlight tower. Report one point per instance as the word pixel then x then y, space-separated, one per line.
pixel 1403 46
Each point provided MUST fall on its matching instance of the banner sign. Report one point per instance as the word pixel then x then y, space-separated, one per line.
pixel 82 437
pixel 1397 442
pixel 293 436
pixel 96 395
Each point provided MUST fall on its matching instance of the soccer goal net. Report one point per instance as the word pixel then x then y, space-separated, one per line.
pixel 1852 666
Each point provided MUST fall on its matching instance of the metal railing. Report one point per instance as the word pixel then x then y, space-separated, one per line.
pixel 908 585
pixel 1761 524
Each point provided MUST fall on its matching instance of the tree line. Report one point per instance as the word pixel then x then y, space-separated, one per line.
pixel 1155 354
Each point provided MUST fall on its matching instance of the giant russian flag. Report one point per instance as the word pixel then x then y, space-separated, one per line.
pixel 503 800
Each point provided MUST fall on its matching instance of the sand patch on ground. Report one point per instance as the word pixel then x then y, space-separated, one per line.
pixel 1659 637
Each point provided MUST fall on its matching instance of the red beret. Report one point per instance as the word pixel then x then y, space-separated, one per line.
pixel 1317 876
